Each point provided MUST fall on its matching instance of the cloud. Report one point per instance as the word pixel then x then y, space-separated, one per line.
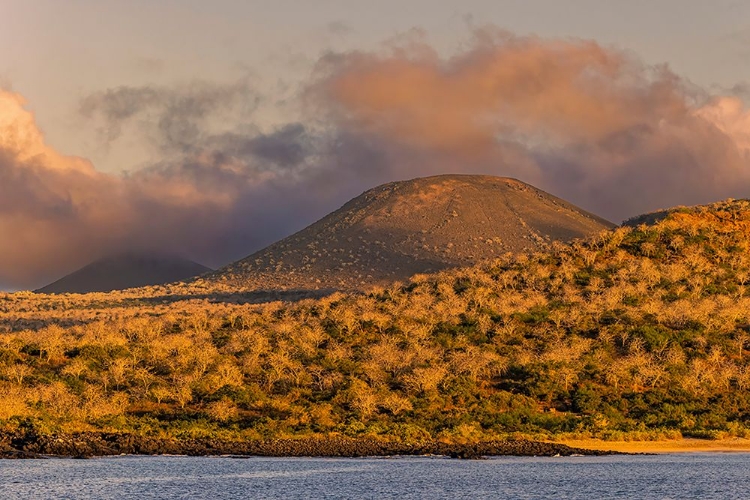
pixel 219 190
pixel 591 124
pixel 44 197
pixel 214 199
pixel 731 116
pixel 176 116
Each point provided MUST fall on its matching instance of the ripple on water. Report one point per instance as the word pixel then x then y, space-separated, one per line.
pixel 694 475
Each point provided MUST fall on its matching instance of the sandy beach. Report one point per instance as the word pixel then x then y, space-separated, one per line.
pixel 665 446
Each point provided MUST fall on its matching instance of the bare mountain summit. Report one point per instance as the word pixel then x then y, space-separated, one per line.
pixel 126 271
pixel 402 228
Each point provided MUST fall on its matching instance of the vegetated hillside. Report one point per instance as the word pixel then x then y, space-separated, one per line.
pixel 639 332
pixel 423 225
pixel 126 271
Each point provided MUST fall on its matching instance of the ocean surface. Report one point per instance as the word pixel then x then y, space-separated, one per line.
pixel 678 476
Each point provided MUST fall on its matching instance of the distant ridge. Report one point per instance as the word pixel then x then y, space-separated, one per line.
pixel 126 271
pixel 422 225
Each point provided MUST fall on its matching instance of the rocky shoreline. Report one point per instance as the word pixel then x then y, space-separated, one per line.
pixel 20 445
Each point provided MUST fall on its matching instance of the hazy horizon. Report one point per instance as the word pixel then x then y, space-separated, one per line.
pixel 212 131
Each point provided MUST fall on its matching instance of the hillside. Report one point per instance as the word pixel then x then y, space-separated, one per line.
pixel 639 333
pixel 396 230
pixel 126 271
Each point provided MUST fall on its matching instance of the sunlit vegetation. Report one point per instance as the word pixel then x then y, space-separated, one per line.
pixel 640 332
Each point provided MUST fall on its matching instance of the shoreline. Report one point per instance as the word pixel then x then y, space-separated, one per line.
pixel 92 444
pixel 20 445
pixel 683 445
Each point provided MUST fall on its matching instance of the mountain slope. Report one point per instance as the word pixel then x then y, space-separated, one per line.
pixel 126 271
pixel 637 333
pixel 422 225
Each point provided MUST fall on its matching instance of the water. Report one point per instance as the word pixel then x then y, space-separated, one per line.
pixel 694 475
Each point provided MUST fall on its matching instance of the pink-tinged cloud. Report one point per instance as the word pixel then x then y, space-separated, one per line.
pixel 588 123
pixel 592 124
pixel 58 213
pixel 523 87
pixel 46 199
pixel 730 115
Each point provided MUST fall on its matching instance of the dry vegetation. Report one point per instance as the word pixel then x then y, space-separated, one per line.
pixel 640 332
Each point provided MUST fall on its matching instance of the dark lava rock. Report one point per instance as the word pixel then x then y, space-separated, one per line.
pixel 83 445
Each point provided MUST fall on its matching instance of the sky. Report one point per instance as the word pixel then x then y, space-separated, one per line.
pixel 211 129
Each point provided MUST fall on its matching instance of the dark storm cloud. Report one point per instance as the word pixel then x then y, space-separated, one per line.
pixel 288 146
